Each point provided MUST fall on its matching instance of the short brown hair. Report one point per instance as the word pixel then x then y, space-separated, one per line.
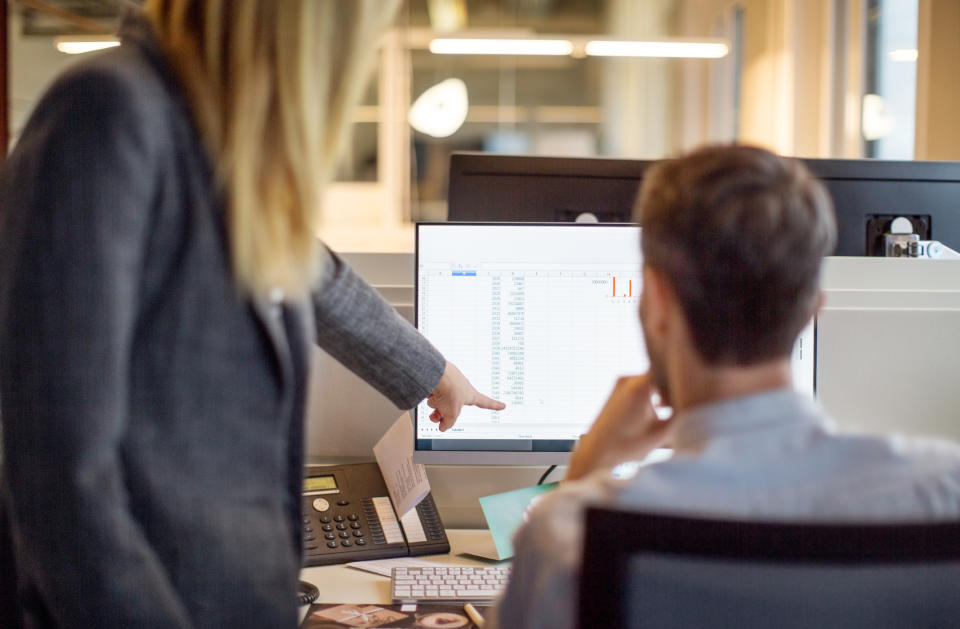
pixel 740 234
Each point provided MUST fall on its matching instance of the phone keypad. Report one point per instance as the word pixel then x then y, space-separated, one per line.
pixel 340 529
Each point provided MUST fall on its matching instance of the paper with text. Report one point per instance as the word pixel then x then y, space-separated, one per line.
pixel 406 481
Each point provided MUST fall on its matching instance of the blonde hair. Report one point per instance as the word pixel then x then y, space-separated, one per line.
pixel 271 84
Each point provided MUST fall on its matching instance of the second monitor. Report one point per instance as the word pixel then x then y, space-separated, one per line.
pixel 541 316
pixel 867 194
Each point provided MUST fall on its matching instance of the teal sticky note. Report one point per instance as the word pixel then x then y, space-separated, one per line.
pixel 504 514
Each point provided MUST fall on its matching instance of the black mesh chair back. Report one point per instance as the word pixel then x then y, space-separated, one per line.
pixel 642 570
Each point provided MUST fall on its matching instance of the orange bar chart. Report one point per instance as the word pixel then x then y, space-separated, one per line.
pixel 629 292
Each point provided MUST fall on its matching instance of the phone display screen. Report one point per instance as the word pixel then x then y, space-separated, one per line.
pixel 319 483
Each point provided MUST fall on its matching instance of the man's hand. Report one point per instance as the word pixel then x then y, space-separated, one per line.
pixel 453 392
pixel 627 429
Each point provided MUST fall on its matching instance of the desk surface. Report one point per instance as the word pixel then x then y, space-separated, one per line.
pixel 339 584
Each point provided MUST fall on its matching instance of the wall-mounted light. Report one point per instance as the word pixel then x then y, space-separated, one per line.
pixel 501 46
pixel 904 54
pixel 673 49
pixel 441 110
pixel 80 45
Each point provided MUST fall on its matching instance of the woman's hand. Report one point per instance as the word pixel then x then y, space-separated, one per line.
pixel 627 429
pixel 453 392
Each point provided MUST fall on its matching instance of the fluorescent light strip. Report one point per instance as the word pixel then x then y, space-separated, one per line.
pixel 904 54
pixel 80 47
pixel 506 46
pixel 685 50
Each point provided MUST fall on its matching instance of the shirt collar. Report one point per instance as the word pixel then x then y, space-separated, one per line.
pixel 778 408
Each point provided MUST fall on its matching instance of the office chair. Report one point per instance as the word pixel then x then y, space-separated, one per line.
pixel 642 570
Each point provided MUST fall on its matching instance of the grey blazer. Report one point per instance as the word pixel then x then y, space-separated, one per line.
pixel 152 416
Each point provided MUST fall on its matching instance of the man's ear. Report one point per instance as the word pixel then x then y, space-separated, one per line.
pixel 657 300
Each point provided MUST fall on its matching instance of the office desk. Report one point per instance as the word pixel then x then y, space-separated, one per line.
pixel 339 584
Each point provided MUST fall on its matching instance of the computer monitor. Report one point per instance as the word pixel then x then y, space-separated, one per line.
pixel 486 187
pixel 541 316
pixel 867 194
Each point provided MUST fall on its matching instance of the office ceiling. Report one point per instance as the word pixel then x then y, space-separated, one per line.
pixel 93 8
pixel 39 16
pixel 71 17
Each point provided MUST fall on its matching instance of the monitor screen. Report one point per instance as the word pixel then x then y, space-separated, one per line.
pixel 543 317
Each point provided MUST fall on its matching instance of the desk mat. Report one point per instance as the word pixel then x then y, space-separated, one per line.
pixel 338 616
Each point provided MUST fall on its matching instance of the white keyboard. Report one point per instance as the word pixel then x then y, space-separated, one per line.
pixel 448 583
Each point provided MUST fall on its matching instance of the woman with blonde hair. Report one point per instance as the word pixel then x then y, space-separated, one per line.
pixel 160 284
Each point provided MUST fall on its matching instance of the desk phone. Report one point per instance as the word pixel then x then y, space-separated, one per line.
pixel 348 516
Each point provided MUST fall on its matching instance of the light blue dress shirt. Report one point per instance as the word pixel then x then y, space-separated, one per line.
pixel 770 456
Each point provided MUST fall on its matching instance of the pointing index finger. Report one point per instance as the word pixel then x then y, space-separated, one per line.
pixel 482 401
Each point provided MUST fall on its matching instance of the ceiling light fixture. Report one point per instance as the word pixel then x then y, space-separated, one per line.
pixel 904 54
pixel 80 46
pixel 502 46
pixel 672 49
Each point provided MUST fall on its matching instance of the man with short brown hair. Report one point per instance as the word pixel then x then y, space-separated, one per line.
pixel 733 240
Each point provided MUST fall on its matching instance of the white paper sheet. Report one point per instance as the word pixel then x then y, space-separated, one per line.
pixel 384 566
pixel 412 527
pixel 406 481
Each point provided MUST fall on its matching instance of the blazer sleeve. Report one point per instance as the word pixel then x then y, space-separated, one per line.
pixel 363 332
pixel 75 202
